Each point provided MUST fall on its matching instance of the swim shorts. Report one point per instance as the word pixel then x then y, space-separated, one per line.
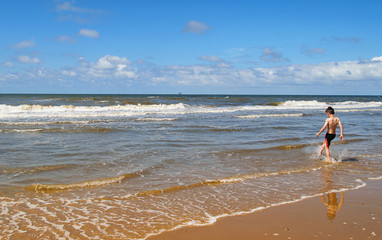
pixel 328 138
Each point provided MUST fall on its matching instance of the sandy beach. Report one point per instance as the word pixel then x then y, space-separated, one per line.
pixel 358 217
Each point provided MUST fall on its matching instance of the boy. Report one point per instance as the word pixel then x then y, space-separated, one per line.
pixel 331 125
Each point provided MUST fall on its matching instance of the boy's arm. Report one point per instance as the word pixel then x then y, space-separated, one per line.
pixel 342 130
pixel 323 128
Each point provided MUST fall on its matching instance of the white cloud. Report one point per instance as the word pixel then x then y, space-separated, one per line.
pixel 228 76
pixel 330 72
pixel 8 77
pixel 7 64
pixel 68 11
pixel 69 7
pixel 376 59
pixel 65 39
pixel 25 44
pixel 342 39
pixel 269 54
pixel 195 27
pixel 111 67
pixel 69 73
pixel 211 58
pixel 28 60
pixel 110 62
pixel 311 51
pixel 88 33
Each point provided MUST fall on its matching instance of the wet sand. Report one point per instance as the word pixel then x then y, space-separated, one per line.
pixel 355 214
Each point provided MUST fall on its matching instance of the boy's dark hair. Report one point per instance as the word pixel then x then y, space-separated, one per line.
pixel 329 110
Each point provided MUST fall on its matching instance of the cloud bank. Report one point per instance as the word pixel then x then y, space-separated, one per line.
pixel 120 72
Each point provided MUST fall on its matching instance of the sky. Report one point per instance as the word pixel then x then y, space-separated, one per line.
pixel 306 47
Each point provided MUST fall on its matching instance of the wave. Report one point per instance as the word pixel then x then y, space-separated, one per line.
pixel 314 104
pixel 375 178
pixel 60 130
pixel 60 113
pixel 37 168
pixel 225 130
pixel 279 147
pixel 21 111
pixel 89 183
pixel 371 155
pixel 244 177
pixel 126 110
pixel 299 146
pixel 24 130
pixel 49 123
pixel 178 108
pixel 289 147
pixel 157 119
pixel 221 181
pixel 271 115
pixel 361 110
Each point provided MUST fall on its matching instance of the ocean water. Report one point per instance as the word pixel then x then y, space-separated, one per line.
pixel 132 166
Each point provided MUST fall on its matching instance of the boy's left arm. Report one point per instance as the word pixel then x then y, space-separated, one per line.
pixel 342 130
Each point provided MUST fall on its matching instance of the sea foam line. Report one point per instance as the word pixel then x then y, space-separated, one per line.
pixel 214 219
pixel 89 183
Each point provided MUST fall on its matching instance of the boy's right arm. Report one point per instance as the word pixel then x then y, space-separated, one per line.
pixel 323 128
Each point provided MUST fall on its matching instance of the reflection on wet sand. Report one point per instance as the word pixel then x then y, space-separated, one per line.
pixel 331 201
pixel 332 204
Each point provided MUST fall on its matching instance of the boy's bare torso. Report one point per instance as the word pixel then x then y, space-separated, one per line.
pixel 332 123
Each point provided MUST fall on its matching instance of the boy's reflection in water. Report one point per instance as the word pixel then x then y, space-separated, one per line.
pixel 332 204
pixel 331 201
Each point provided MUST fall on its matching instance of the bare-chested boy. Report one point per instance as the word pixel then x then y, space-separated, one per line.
pixel 331 125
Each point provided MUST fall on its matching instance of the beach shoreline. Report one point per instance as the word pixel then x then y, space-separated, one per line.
pixel 130 167
pixel 357 214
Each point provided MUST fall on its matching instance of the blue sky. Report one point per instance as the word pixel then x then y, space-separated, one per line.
pixel 206 47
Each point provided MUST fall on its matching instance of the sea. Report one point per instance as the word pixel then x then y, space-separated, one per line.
pixel 134 166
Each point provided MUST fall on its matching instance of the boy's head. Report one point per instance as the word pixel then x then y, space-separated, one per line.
pixel 329 110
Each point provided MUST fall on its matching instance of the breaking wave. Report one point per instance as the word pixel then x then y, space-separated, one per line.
pixel 221 181
pixel 32 111
pixel 271 115
pixel 89 183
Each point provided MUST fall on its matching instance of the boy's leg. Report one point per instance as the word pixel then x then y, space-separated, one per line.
pixel 327 153
pixel 322 148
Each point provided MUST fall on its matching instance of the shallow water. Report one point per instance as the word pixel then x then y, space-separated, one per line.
pixel 130 166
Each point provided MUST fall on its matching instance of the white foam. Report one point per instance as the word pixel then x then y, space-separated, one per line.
pixel 375 178
pixel 70 111
pixel 337 105
pixel 32 111
pixel 271 115
pixel 157 119
pixel 45 123
pixel 27 130
pixel 303 104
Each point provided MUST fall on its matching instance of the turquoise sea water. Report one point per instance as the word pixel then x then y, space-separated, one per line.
pixel 131 166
